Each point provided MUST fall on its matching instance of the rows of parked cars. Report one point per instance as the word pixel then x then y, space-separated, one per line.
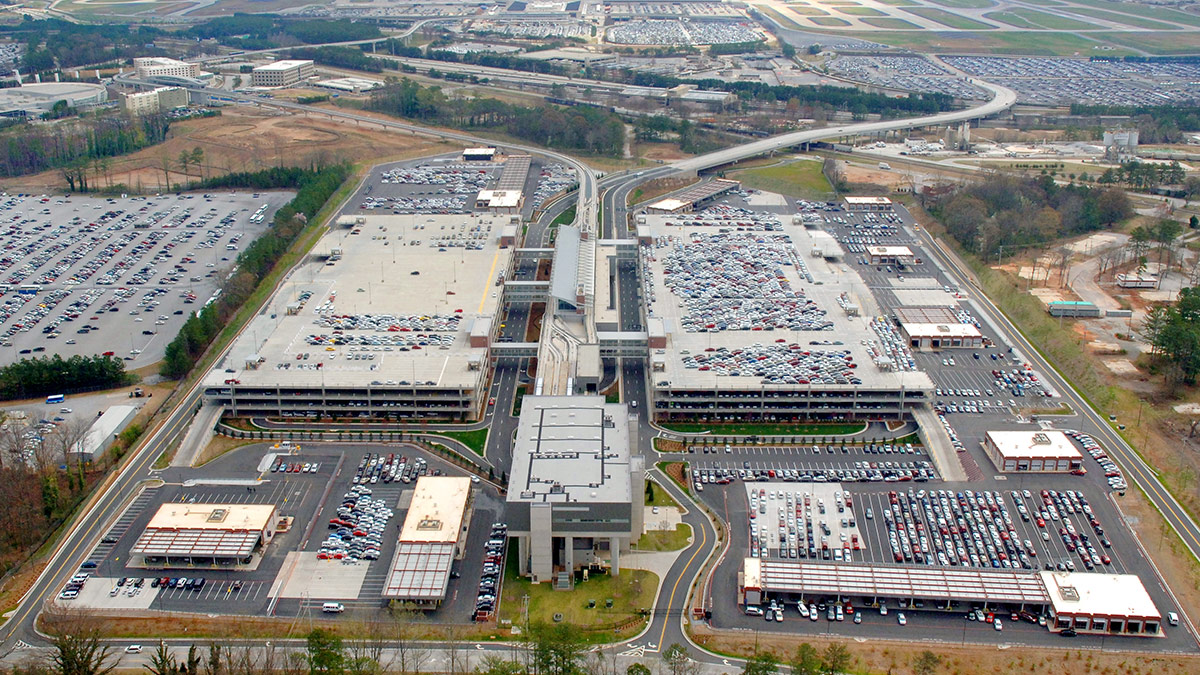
pixel 863 472
pixel 358 528
pixel 280 466
pixel 493 567
pixel 1112 472
pixel 1058 507
pixel 74 585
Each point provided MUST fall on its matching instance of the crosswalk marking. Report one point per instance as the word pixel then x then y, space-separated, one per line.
pixel 636 651
pixel 21 644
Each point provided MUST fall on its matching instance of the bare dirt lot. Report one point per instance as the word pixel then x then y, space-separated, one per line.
pixel 246 139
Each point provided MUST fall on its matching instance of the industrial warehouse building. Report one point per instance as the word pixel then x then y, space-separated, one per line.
pixel 282 73
pixel 1097 603
pixel 430 540
pixel 575 488
pixel 1072 309
pixel 189 535
pixel 103 432
pixel 1032 451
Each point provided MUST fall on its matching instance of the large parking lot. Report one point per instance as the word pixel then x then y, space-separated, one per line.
pixel 93 275
pixel 313 561
pixel 1035 522
pixel 449 185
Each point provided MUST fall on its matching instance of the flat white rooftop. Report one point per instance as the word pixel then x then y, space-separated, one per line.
pixel 1107 595
pixel 232 517
pixel 941 330
pixel 895 251
pixel 286 64
pixel 499 199
pixel 571 449
pixel 404 297
pixel 1033 444
pixel 669 204
pixel 437 508
pixel 880 201
pixel 833 283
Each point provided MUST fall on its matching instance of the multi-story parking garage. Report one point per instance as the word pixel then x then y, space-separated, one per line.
pixel 744 323
pixel 398 326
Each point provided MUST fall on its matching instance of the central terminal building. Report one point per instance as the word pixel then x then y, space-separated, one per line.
pixel 575 488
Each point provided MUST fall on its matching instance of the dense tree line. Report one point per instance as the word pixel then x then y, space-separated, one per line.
pixel 1155 123
pixel 54 43
pixel 1014 211
pixel 343 57
pixel 30 148
pixel 505 61
pixel 1143 175
pixel 265 31
pixel 1173 331
pixel 314 185
pixel 735 48
pixel 658 128
pixel 577 128
pixel 32 378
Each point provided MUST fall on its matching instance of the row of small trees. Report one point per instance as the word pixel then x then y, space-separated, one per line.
pixel 315 185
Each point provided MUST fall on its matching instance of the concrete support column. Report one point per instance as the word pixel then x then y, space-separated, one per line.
pixel 569 553
pixel 614 547
pixel 523 554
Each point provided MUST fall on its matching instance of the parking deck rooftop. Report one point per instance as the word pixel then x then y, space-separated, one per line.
pixel 398 305
pixel 761 286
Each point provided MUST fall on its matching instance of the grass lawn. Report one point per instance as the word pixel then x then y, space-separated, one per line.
pixel 661 496
pixel 892 23
pixel 998 42
pixel 948 18
pixel 1150 11
pixel 1135 21
pixel 898 3
pixel 778 18
pixel 1184 42
pixel 964 4
pixel 1011 19
pixel 1052 21
pixel 861 11
pixel 806 10
pixel 475 440
pixel 801 178
pixel 1045 3
pixel 631 591
pixel 666 540
pixel 828 21
pixel 738 429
